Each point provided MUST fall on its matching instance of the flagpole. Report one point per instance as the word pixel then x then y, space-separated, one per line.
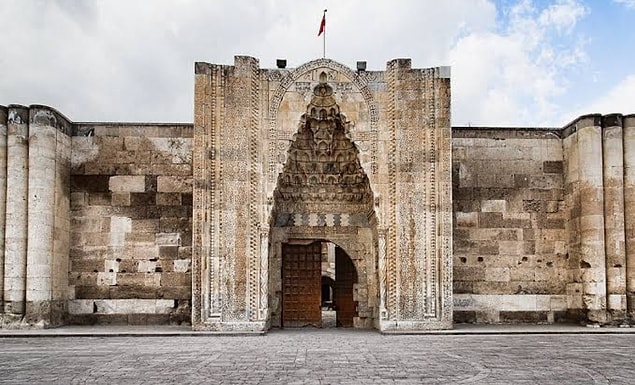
pixel 324 37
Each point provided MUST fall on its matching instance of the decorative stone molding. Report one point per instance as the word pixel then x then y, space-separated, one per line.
pixel 328 153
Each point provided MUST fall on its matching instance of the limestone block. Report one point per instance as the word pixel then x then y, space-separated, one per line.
pixel 152 280
pixel 86 224
pixel 512 247
pixel 78 199
pixel 496 234
pixel 120 224
pixel 140 252
pixel 521 274
pixel 127 183
pixel 547 274
pixel 168 199
pixel 145 225
pixel 168 252
pixel 495 180
pixel 133 306
pixel 131 277
pixel 106 279
pixel 139 239
pixel 144 266
pixel 116 239
pixel 616 279
pixel 174 184
pixel 164 306
pixel 558 303
pixel 175 279
pixel 547 181
pixel 468 273
pixel 616 302
pixel 168 239
pixel 125 157
pixel 105 307
pixel 120 199
pixel 81 306
pixel 179 150
pixel 594 288
pixel 84 150
pixel 495 205
pixel 497 274
pixel 182 265
pixel 518 302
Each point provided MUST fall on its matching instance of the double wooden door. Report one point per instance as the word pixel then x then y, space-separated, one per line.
pixel 302 286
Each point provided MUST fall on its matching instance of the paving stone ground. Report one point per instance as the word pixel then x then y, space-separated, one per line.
pixel 327 356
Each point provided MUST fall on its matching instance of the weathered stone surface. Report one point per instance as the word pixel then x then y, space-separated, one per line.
pixel 505 246
pixel 322 157
pixel 149 217
pixel 127 210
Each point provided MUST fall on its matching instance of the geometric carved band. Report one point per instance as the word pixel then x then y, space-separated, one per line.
pixel 321 220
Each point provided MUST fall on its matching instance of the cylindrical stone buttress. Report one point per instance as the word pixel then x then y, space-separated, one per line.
pixel 613 156
pixel 41 213
pixel 592 258
pixel 572 202
pixel 16 210
pixel 61 242
pixel 628 124
pixel 3 195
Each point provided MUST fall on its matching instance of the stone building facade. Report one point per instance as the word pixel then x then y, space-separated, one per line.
pixel 290 176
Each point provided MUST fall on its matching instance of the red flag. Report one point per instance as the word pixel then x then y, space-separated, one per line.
pixel 322 24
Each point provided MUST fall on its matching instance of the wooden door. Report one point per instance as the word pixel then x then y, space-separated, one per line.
pixel 301 285
pixel 345 277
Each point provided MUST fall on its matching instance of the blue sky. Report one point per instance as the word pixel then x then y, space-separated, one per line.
pixel 608 32
pixel 514 62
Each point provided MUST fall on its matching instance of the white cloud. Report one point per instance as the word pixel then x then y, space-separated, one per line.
pixel 627 3
pixel 132 60
pixel 618 99
pixel 562 15
pixel 513 75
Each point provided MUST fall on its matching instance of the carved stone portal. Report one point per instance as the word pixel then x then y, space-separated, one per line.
pixel 322 153
pixel 322 174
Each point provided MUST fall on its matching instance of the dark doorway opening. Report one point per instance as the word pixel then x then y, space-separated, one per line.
pixel 310 296
pixel 328 285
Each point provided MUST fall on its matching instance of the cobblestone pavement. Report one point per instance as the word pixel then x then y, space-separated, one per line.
pixel 321 357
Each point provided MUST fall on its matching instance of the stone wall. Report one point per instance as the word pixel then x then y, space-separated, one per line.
pixel 131 223
pixel 96 219
pixel 510 240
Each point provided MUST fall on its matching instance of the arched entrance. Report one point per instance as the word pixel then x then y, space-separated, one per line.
pixel 306 285
pixel 323 197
